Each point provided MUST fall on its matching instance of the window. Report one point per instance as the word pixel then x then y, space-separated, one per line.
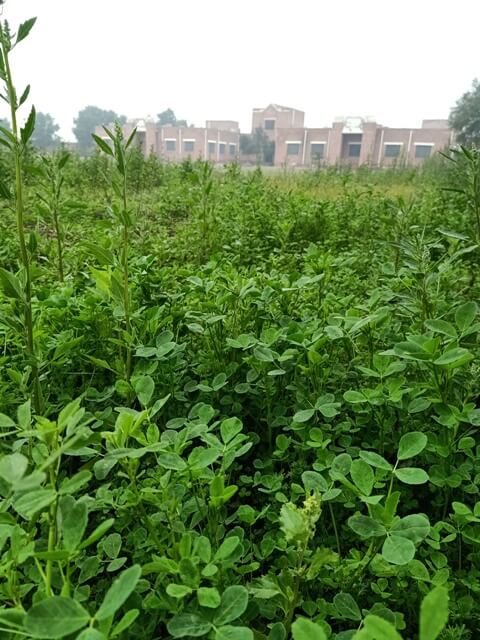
pixel 269 124
pixel 293 148
pixel 354 149
pixel 188 146
pixel 232 148
pixel 222 147
pixel 212 146
pixel 317 150
pixel 170 145
pixel 423 150
pixel 392 150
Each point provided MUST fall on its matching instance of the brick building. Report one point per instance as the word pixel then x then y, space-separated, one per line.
pixel 218 141
pixel 349 141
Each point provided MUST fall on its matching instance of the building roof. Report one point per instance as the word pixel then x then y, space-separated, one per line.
pixel 277 107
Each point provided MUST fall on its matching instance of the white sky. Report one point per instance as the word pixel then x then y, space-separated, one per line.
pixel 397 60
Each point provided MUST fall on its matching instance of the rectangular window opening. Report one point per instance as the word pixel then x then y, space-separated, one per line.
pixel 317 150
pixel 293 148
pixel 423 150
pixel 392 150
pixel 354 149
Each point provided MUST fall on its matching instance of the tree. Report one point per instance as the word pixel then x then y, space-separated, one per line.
pixel 45 133
pixel 258 144
pixel 86 121
pixel 4 123
pixel 168 117
pixel 465 116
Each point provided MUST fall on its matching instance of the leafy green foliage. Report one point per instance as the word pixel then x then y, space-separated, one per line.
pixel 258 415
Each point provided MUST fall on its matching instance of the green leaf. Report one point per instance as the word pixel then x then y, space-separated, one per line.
pixel 354 397
pixel 23 98
pixel 11 285
pixel 293 523
pixel 144 387
pixel 264 354
pixel 304 415
pixel 74 516
pixel 55 617
pixel 303 629
pixel 433 614
pixel 227 547
pixel 188 624
pixel 440 326
pixel 454 357
pixel 103 256
pixel 380 629
pixel 411 444
pixel 398 550
pixel 412 475
pixel 30 503
pixel 418 404
pixel 415 527
pixel 233 604
pixel 103 145
pixel 91 634
pixel 233 633
pixel 120 590
pixel 100 531
pixel 366 527
pixel 127 620
pixel 375 460
pixel 418 571
pixel 362 476
pixel 178 590
pixel 229 429
pixel 6 422
pixel 24 29
pixel 346 607
pixel 208 597
pixel 13 467
pixel 465 315
pixel 27 131
pixel 112 545
pixel 312 480
pixel 202 457
pixel 76 482
pixel 171 461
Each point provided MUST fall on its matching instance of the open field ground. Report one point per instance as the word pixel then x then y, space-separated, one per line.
pixel 239 404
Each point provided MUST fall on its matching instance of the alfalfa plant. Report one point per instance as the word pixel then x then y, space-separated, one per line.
pixel 50 197
pixel 467 162
pixel 16 141
pixel 120 210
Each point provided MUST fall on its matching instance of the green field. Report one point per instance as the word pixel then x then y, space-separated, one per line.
pixel 250 405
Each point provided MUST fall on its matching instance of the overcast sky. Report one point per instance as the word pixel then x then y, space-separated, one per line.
pixel 397 60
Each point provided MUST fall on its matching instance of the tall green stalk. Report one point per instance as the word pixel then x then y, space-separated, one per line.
pixel 17 140
pixel 118 151
pixel 50 200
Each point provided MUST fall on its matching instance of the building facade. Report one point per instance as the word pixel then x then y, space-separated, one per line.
pixel 349 141
pixel 218 141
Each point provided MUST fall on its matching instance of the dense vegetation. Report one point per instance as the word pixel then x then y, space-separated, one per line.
pixel 237 405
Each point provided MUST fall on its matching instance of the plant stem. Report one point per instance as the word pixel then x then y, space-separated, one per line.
pixel 59 240
pixel 19 210
pixel 126 280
